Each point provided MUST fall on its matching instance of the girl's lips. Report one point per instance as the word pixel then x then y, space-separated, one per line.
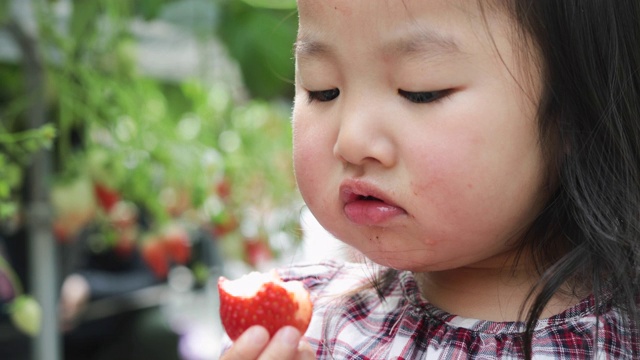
pixel 364 204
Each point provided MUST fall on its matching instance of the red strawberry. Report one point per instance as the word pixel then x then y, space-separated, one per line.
pixel 125 241
pixel 257 252
pixel 61 231
pixel 155 256
pixel 263 299
pixel 106 196
pixel 224 223
pixel 223 188
pixel 177 244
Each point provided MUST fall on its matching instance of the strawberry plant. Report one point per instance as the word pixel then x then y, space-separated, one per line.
pixel 124 141
pixel 24 311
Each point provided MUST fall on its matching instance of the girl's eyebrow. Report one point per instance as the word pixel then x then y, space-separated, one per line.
pixel 304 48
pixel 425 44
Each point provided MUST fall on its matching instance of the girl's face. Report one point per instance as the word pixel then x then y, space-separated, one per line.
pixel 415 136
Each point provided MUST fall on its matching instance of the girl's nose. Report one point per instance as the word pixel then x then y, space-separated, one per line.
pixel 365 136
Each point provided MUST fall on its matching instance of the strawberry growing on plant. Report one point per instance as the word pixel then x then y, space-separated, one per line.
pixel 155 256
pixel 73 206
pixel 257 251
pixel 24 311
pixel 223 188
pixel 177 243
pixel 125 241
pixel 26 314
pixel 123 222
pixel 224 223
pixel 107 197
pixel 265 300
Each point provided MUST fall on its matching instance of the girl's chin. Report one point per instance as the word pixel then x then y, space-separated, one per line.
pixel 401 264
pixel 395 260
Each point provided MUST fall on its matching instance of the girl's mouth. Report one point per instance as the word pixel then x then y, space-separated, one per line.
pixel 364 204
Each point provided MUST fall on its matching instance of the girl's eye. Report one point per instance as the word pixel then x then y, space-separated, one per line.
pixel 423 97
pixel 323 95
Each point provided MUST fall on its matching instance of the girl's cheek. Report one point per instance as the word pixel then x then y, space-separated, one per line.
pixel 450 177
pixel 305 161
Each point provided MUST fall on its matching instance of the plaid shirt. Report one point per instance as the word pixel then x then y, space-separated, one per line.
pixel 405 326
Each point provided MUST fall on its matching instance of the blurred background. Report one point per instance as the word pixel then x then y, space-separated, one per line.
pixel 145 150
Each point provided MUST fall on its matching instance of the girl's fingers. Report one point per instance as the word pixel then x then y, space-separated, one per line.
pixel 249 345
pixel 254 344
pixel 305 352
pixel 284 345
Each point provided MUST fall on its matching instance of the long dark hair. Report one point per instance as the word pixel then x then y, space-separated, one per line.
pixel 589 121
pixel 588 236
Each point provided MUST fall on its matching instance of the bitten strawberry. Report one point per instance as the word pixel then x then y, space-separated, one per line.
pixel 263 299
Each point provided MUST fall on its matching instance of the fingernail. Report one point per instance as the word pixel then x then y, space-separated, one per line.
pixel 288 335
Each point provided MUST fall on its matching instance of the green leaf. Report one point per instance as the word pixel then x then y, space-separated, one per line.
pixel 273 4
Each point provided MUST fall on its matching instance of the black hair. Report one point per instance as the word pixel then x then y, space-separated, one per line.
pixel 589 122
pixel 587 238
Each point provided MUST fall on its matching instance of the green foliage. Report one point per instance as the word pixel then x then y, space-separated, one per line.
pixel 198 16
pixel 153 144
pixel 142 137
pixel 259 34
pixel 150 10
pixel 16 150
pixel 262 43
pixel 273 4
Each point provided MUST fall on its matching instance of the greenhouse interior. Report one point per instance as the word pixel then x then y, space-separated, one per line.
pixel 145 151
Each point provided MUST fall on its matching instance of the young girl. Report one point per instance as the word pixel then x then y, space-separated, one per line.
pixel 486 156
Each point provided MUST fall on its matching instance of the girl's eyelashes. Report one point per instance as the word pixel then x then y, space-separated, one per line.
pixel 423 97
pixel 323 95
pixel 418 97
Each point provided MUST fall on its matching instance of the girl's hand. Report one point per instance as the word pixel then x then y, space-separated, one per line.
pixel 254 344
